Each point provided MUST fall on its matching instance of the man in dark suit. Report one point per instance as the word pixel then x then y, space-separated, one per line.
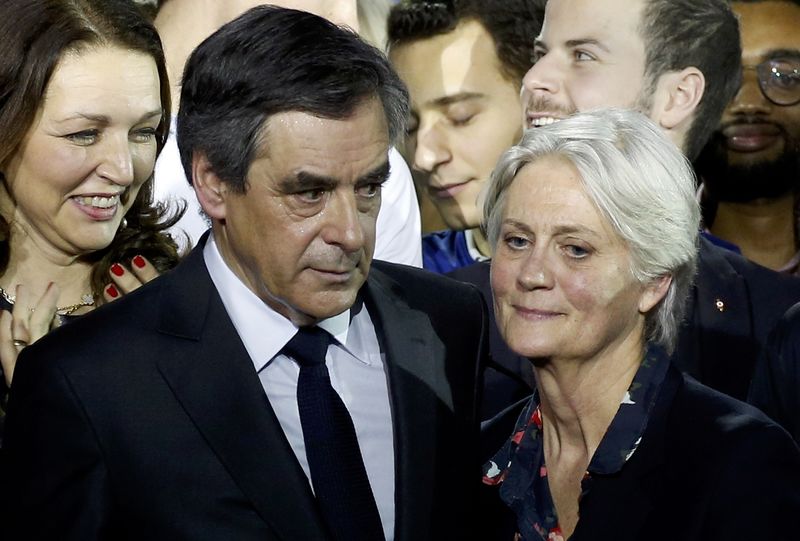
pixel 275 385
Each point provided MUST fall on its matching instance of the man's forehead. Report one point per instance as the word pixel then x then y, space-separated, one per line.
pixel 293 141
pixel 448 68
pixel 606 22
pixel 767 27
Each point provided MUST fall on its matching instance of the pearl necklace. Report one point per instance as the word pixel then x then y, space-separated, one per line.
pixel 87 299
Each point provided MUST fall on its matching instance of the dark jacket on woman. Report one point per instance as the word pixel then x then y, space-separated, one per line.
pixel 708 468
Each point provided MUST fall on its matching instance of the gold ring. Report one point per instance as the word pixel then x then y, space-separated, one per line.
pixel 20 343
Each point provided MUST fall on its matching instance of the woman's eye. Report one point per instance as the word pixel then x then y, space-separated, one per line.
pixel 144 135
pixel 85 137
pixel 576 252
pixel 515 242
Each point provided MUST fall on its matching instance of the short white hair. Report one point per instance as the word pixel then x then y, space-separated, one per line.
pixel 639 181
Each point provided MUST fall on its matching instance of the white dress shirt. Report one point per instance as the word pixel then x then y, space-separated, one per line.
pixel 355 364
pixel 398 231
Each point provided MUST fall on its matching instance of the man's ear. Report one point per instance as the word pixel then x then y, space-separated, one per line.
pixel 677 95
pixel 208 187
pixel 654 292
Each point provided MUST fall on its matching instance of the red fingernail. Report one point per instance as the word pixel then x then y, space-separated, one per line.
pixel 139 261
pixel 112 291
pixel 117 269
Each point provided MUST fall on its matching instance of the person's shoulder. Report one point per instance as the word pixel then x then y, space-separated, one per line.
pixel 759 279
pixel 111 334
pixel 718 423
pixel 791 319
pixel 420 285
pixel 758 291
pixel 477 273
pixel 784 340
pixel 113 326
pixel 727 450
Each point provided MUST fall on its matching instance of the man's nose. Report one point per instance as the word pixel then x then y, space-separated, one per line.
pixel 542 77
pixel 344 225
pixel 432 148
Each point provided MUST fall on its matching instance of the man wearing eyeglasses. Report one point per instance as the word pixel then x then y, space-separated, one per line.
pixel 751 166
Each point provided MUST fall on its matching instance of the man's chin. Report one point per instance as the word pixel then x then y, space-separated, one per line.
pixel 742 178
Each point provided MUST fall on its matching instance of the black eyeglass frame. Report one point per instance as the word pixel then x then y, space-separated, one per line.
pixel 770 71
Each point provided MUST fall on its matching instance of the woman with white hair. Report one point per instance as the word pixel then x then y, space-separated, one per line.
pixel 594 227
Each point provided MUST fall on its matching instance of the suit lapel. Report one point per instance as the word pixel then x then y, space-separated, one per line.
pixel 725 322
pixel 211 375
pixel 414 361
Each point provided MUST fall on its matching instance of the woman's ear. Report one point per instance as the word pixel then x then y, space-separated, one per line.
pixel 654 292
pixel 209 188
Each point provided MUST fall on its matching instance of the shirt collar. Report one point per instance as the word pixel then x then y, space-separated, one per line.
pixel 472 247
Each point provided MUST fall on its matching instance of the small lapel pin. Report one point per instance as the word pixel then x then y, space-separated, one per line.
pixel 720 305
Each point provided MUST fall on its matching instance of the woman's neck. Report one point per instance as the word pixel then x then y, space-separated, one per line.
pixel 34 263
pixel 580 397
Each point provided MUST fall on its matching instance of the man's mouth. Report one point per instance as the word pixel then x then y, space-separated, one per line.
pixel 537 120
pixel 543 121
pixel 751 137
pixel 447 191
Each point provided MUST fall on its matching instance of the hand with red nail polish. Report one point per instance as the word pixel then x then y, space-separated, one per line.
pixel 126 279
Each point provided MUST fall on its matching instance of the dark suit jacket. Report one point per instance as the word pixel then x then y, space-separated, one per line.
pixel 146 420
pixel 733 307
pixel 775 389
pixel 719 347
pixel 709 468
pixel 507 377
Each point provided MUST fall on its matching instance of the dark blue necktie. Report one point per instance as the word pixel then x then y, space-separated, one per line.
pixel 340 481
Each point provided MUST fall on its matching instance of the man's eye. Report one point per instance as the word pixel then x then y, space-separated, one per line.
pixel 583 56
pixel 368 191
pixel 412 126
pixel 461 120
pixel 786 79
pixel 311 196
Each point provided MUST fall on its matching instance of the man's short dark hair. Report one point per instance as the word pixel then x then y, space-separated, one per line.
pixel 700 33
pixel 795 2
pixel 512 24
pixel 272 60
